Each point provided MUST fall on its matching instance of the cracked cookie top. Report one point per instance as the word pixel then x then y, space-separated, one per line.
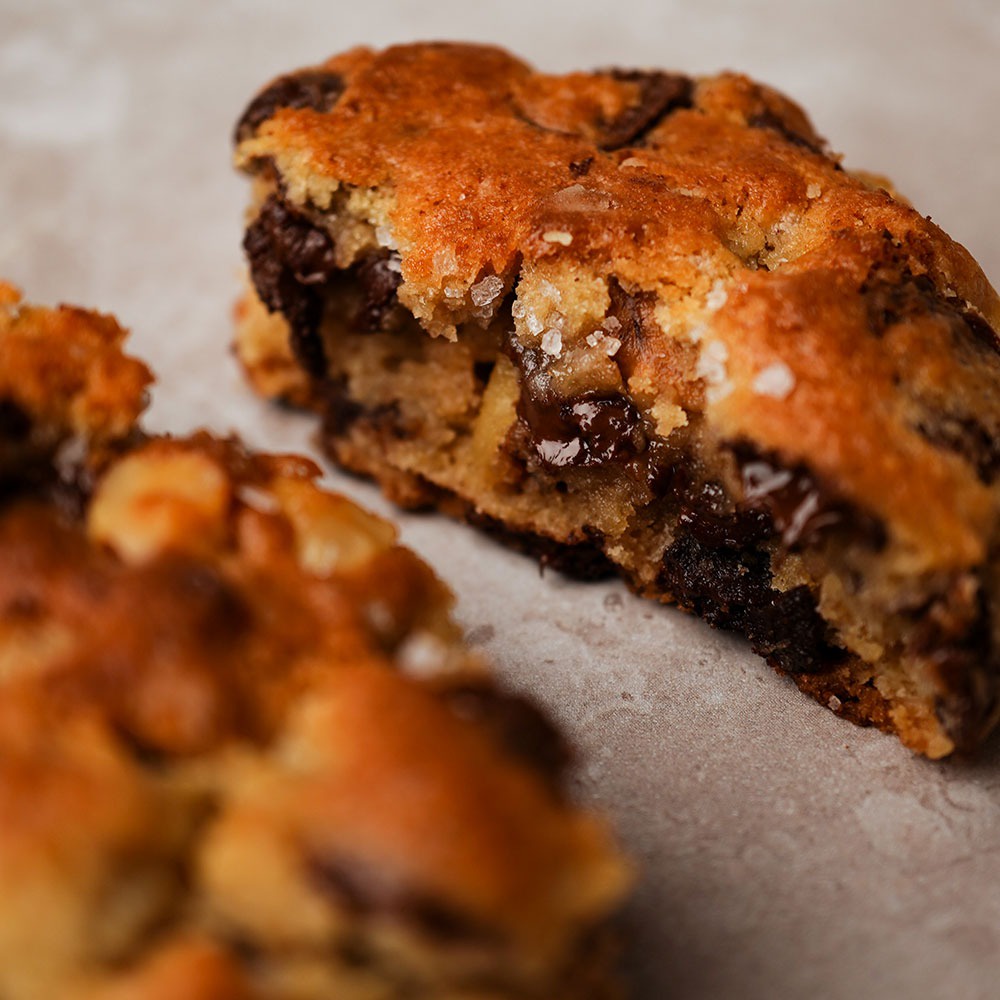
pixel 689 243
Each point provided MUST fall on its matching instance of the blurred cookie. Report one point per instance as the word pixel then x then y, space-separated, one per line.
pixel 244 751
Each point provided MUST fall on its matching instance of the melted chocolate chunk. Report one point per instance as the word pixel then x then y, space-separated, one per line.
pixel 709 517
pixel 520 728
pixel 800 508
pixel 584 431
pixel 318 89
pixel 769 120
pixel 731 588
pixel 378 278
pixel 290 260
pixel 659 95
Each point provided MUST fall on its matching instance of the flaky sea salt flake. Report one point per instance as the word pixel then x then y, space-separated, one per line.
pixel 712 368
pixel 485 291
pixel 776 380
pixel 552 342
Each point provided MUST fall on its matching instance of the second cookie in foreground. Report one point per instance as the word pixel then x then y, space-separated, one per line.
pixel 244 752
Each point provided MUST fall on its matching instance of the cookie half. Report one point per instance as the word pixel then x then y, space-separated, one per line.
pixel 244 751
pixel 649 324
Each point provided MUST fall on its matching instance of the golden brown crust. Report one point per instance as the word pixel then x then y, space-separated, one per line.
pixel 475 163
pixel 641 272
pixel 245 753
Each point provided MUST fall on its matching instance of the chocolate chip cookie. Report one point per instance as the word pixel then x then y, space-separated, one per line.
pixel 244 752
pixel 650 323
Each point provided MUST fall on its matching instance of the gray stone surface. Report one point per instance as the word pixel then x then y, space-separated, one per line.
pixel 783 853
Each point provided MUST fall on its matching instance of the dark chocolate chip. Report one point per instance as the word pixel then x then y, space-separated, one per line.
pixel 318 89
pixel 290 259
pixel 341 410
pixel 769 120
pixel 789 632
pixel 580 168
pixel 378 277
pixel 517 726
pixel 659 95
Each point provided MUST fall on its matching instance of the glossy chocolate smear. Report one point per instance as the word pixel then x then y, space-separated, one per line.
pixel 290 260
pixel 659 95
pixel 318 89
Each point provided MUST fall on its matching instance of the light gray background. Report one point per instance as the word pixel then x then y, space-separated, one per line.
pixel 784 853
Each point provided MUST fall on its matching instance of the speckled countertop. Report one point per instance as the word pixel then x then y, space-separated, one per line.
pixel 784 853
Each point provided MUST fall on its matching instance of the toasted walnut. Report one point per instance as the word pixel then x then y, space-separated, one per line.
pixel 158 499
pixel 331 533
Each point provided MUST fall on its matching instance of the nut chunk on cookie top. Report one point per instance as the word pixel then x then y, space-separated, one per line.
pixel 244 752
pixel 649 322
